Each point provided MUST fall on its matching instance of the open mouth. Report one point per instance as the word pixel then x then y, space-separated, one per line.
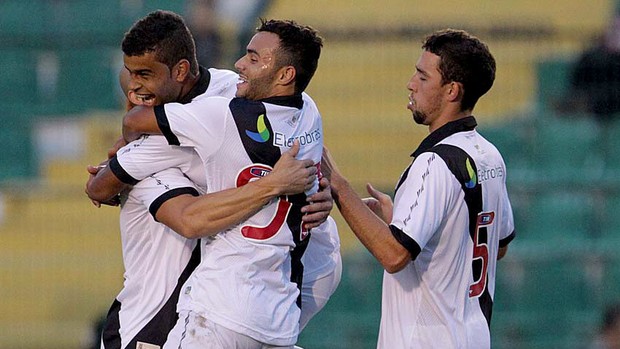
pixel 411 101
pixel 145 99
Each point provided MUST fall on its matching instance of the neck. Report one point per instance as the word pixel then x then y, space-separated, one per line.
pixel 189 84
pixel 446 118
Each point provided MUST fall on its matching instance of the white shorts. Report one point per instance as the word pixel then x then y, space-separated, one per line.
pixel 316 293
pixel 193 331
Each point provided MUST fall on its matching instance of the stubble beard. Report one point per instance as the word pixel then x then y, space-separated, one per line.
pixel 259 88
pixel 419 117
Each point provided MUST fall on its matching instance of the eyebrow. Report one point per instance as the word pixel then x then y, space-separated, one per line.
pixel 421 71
pixel 138 71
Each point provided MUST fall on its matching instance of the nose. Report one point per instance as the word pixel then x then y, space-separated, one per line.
pixel 411 84
pixel 239 64
pixel 133 84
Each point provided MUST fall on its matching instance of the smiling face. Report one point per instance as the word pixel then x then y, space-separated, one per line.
pixel 258 68
pixel 151 81
pixel 427 91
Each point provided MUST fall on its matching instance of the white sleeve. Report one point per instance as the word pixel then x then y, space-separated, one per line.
pixel 156 189
pixel 424 197
pixel 147 155
pixel 199 124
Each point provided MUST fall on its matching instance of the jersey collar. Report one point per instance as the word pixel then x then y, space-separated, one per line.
pixel 294 101
pixel 200 87
pixel 460 125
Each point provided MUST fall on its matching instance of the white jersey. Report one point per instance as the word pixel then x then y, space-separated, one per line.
pixel 151 154
pixel 157 260
pixel 239 141
pixel 452 212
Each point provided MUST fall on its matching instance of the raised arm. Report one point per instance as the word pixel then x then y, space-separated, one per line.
pixel 372 231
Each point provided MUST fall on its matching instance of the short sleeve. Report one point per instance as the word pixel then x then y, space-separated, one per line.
pixel 160 187
pixel 147 155
pixel 426 194
pixel 507 227
pixel 199 124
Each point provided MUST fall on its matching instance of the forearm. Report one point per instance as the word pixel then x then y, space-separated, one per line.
pixel 214 212
pixel 372 232
pixel 104 186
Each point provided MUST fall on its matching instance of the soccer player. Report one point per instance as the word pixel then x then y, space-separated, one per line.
pixel 145 309
pixel 451 218
pixel 244 292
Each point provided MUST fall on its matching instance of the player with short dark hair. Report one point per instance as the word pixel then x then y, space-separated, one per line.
pixel 165 34
pixel 145 310
pixel 451 219
pixel 244 293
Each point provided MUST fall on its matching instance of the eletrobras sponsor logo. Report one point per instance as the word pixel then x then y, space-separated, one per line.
pixel 263 132
pixel 282 140
pixel 472 175
pixel 486 174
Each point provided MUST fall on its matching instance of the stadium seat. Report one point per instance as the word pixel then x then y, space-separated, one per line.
pixel 559 217
pixel 611 139
pixel 88 79
pixel 553 75
pixel 611 281
pixel 18 157
pixel 351 317
pixel 21 21
pixel 568 146
pixel 556 286
pixel 84 23
pixel 610 222
pixel 19 76
pixel 539 329
pixel 514 141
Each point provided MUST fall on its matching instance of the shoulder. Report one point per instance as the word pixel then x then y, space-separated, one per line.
pixel 222 79
pixel 215 102
pixel 219 74
pixel 460 164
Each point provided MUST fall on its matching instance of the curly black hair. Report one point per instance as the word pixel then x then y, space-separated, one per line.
pixel 165 34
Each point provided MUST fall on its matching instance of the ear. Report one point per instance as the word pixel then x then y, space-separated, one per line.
pixel 181 70
pixel 455 91
pixel 286 75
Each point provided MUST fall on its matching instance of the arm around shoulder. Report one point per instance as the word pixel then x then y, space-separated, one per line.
pixel 138 121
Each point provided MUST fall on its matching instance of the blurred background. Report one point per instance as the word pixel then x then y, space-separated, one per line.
pixel 60 257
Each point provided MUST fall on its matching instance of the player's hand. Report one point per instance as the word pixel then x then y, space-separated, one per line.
pixel 292 176
pixel 330 170
pixel 319 207
pixel 379 203
pixel 92 172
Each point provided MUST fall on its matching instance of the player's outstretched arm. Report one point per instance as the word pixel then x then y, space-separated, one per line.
pixel 194 217
pixel 371 230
